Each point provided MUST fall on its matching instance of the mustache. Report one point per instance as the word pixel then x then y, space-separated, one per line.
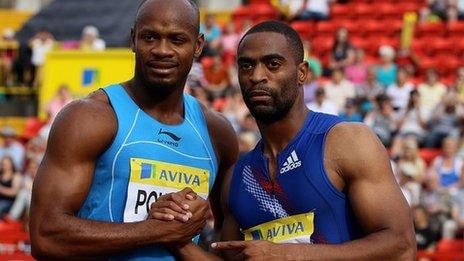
pixel 260 89
pixel 162 61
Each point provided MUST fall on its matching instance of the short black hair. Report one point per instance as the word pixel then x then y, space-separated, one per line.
pixel 296 45
pixel 192 3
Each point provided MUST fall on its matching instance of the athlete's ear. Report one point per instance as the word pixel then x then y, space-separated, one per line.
pixel 132 40
pixel 199 45
pixel 303 72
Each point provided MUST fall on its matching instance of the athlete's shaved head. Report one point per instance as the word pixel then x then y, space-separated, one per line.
pixel 294 40
pixel 193 13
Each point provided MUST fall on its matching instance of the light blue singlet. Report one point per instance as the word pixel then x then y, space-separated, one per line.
pixel 147 159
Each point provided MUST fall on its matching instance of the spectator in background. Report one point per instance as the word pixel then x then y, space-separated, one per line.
pixel 196 76
pixel 90 40
pixel 412 170
pixel 367 92
pixel 313 62
pixel 22 201
pixel 407 59
pixel 351 112
pixel 356 70
pixel 425 235
pixel 310 87
pixel 382 120
pixel 322 104
pixel 212 33
pixel 446 170
pixel 62 97
pixel 217 77
pixel 386 72
pixel 310 9
pixel 8 50
pixel 459 84
pixel 12 147
pixel 10 182
pixel 340 50
pixel 411 123
pixel 40 44
pixel 431 92
pixel 235 109
pixel 399 92
pixel 339 89
pixel 446 10
pixel 445 121
pixel 229 43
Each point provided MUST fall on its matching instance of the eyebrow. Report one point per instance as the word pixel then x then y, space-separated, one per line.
pixel 264 58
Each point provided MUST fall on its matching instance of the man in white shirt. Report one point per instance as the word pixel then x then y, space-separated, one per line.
pixel 309 9
pixel 321 104
pixel 339 89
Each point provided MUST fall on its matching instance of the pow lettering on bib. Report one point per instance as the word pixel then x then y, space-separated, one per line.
pixel 292 229
pixel 150 179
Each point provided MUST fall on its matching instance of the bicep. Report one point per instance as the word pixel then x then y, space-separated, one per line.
pixel 374 194
pixel 65 174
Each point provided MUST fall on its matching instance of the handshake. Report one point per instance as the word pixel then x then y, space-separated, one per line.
pixel 184 212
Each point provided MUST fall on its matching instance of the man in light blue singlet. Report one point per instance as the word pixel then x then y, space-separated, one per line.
pixel 115 152
pixel 314 187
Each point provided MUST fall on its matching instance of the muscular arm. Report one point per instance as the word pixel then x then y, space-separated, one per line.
pixel 375 198
pixel 226 146
pixel 355 157
pixel 81 132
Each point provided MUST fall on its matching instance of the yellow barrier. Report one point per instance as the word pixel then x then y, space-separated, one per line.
pixel 13 19
pixel 83 72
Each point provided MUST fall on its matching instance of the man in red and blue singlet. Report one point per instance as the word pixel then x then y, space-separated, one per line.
pixel 314 188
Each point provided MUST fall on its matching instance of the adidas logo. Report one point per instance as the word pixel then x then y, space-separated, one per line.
pixel 292 162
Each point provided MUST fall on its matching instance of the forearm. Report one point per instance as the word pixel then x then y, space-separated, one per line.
pixel 69 236
pixel 383 245
pixel 190 251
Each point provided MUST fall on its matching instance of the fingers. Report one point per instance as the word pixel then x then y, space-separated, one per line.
pixel 168 204
pixel 167 214
pixel 168 210
pixel 229 245
pixel 179 198
pixel 188 193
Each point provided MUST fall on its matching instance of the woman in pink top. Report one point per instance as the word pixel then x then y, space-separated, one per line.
pixel 356 71
pixel 56 104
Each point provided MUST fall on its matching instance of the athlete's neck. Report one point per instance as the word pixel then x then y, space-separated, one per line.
pixel 277 135
pixel 165 107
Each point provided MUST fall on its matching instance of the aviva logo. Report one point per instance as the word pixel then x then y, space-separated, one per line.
pixel 283 230
pixel 164 174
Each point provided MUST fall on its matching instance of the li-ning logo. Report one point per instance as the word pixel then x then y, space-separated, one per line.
pixel 292 162
pixel 171 135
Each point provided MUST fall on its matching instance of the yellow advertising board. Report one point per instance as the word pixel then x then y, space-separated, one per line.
pixel 83 72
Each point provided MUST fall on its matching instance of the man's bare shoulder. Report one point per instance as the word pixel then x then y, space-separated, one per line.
pixel 354 146
pixel 85 121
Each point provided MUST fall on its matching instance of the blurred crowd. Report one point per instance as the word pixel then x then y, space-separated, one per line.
pixel 21 64
pixel 408 108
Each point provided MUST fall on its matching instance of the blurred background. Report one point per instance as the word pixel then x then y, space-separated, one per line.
pixel 396 65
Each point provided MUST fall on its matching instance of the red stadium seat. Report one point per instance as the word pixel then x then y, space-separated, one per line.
pixel 448 64
pixel 431 29
pixel 365 12
pixel 305 28
pixel 373 28
pixel 437 46
pixel 326 28
pixel 388 11
pixel 450 245
pixel 455 29
pixel 340 11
